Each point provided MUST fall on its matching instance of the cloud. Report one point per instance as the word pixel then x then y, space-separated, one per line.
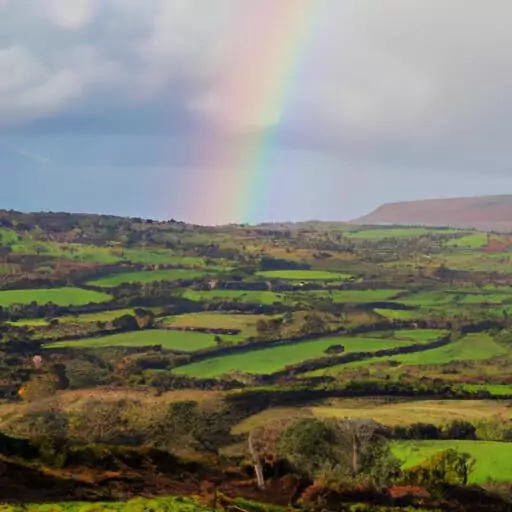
pixel 404 83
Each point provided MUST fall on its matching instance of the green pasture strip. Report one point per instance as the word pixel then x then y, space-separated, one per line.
pixel 494 389
pixel 473 241
pixel 253 296
pixel 401 314
pixel 60 296
pixel 492 459
pixel 134 505
pixel 272 359
pixel 207 320
pixel 399 232
pixel 469 348
pixel 183 341
pixel 147 276
pixel 304 275
pixel 350 296
pixel 420 335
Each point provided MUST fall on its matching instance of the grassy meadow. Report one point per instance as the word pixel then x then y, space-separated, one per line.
pixel 182 341
pixel 269 360
pixel 472 347
pixel 68 296
pixel 492 459
pixel 304 275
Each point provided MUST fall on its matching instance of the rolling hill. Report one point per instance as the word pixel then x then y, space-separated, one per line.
pixel 490 213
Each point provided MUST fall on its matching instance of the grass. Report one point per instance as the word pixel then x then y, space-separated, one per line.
pixel 100 316
pixel 494 389
pixel 419 335
pixel 253 296
pixel 398 232
pixel 134 505
pixel 400 412
pixel 8 237
pixel 304 275
pixel 245 323
pixel 473 241
pixel 407 412
pixel 173 274
pixel 59 296
pixel 469 348
pixel 351 296
pixel 182 341
pixel 400 314
pixel 272 359
pixel 492 459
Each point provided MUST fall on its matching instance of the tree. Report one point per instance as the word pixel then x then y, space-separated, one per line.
pixel 308 444
pixel 125 323
pixel 449 467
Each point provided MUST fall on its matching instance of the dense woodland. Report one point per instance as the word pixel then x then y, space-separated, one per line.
pixel 310 366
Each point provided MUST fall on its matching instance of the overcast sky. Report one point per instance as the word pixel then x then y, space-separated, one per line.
pixel 105 105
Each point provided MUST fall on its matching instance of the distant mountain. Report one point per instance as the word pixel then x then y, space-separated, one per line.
pixel 489 213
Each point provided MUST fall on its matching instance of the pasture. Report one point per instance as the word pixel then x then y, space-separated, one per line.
pixel 252 296
pixel 350 296
pixel 398 232
pixel 60 296
pixel 304 275
pixel 469 348
pixel 272 359
pixel 473 241
pixel 182 341
pixel 492 459
pixel 399 412
pixel 246 324
pixel 171 274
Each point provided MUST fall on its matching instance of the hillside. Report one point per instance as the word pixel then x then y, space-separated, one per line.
pixel 490 213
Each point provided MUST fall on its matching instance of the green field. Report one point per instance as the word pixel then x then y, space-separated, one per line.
pixel 133 505
pixel 474 241
pixel 494 389
pixel 182 341
pixel 304 275
pixel 471 347
pixel 398 232
pixel 272 359
pixel 419 335
pixel 400 314
pixel 245 323
pixel 492 459
pixel 351 296
pixel 59 296
pixel 259 297
pixel 172 274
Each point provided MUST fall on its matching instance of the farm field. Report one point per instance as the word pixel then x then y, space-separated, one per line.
pixel 143 277
pixel 304 275
pixel 400 412
pixel 182 341
pixel 133 505
pixel 206 320
pixel 469 348
pixel 272 359
pixel 351 296
pixel 473 241
pixel 59 296
pixel 252 296
pixel 398 232
pixel 492 459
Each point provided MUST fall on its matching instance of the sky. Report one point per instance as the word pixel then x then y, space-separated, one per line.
pixel 216 111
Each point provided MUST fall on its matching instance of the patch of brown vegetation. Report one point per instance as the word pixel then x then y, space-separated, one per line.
pixel 491 213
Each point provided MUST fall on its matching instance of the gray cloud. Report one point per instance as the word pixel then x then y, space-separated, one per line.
pixel 416 85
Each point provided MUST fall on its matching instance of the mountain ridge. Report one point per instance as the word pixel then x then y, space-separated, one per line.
pixel 489 213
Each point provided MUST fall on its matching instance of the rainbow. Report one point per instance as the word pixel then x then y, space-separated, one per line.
pixel 256 79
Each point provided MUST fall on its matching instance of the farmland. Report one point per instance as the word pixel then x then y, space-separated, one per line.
pixel 60 296
pixel 238 327
pixel 471 347
pixel 304 275
pixel 170 340
pixel 269 360
pixel 147 277
pixel 492 459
